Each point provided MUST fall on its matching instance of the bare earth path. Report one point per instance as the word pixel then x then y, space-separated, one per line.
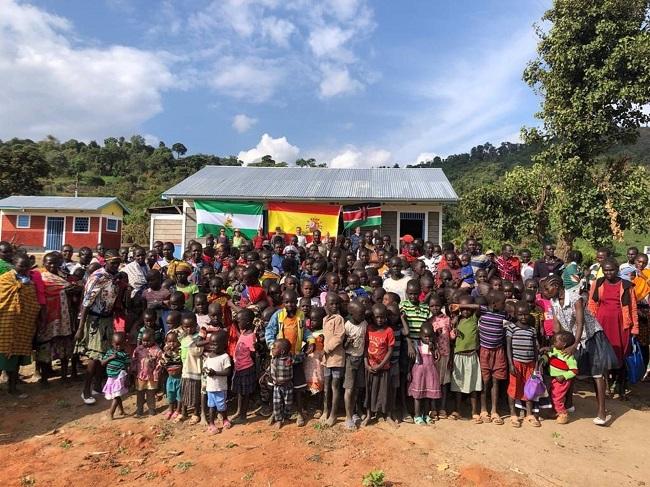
pixel 51 439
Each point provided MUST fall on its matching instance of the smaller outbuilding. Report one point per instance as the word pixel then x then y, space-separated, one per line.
pixel 41 223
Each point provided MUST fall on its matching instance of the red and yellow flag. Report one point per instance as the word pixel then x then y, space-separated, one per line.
pixel 308 216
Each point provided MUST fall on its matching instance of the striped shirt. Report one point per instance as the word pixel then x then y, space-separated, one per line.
pixel 415 314
pixel 523 342
pixel 118 364
pixel 490 328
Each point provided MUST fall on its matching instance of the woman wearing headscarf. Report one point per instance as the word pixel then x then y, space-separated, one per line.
pixel 96 320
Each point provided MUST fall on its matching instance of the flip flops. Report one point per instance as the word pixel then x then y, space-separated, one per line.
pixel 514 422
pixel 485 417
pixel 533 421
pixel 477 419
pixel 496 419
pixel 194 420
pixel 455 416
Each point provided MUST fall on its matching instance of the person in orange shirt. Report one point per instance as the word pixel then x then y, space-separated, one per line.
pixel 641 280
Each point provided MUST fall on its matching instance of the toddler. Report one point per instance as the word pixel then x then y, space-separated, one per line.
pixel 216 368
pixel 146 368
pixel 116 361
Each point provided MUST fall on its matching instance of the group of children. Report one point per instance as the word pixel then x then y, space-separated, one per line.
pixel 338 332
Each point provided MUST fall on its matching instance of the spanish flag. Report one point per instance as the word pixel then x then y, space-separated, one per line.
pixel 308 216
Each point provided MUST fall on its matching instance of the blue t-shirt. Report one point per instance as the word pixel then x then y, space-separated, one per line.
pixel 467 274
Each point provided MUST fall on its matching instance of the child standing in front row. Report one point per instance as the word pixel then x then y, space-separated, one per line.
pixel 333 356
pixel 116 361
pixel 146 368
pixel 282 379
pixel 245 377
pixel 379 347
pixel 442 327
pixel 172 363
pixel 216 367
pixel 466 372
pixel 191 355
pixel 425 383
pixel 563 369
pixel 522 349
pixel 355 336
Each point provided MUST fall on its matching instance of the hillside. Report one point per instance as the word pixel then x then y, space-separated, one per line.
pixel 138 173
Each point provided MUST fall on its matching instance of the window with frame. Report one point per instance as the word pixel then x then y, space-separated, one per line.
pixel 81 224
pixel 23 221
pixel 111 225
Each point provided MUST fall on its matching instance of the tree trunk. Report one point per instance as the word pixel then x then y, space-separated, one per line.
pixel 564 245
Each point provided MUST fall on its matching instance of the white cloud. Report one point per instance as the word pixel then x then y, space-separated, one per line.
pixel 252 79
pixel 329 41
pixel 52 86
pixel 278 30
pixel 279 149
pixel 352 157
pixel 337 81
pixel 151 140
pixel 425 157
pixel 242 123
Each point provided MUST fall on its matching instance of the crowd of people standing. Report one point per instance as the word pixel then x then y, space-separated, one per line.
pixel 287 324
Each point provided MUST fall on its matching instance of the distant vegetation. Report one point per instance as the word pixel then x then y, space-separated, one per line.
pixel 138 173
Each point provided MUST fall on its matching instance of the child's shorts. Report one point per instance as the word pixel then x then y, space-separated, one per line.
pixel 355 373
pixel 173 387
pixel 333 372
pixel 217 399
pixel 493 363
pixel 146 385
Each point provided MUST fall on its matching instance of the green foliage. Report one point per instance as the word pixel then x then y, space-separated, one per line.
pixel 374 478
pixel 593 73
pixel 21 165
pixel 267 161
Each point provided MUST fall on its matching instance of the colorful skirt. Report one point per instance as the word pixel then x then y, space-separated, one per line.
pixel 116 386
pixel 97 338
pixel 425 383
pixel 244 381
pixel 314 372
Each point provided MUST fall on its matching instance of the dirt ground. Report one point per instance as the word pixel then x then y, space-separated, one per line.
pixel 50 438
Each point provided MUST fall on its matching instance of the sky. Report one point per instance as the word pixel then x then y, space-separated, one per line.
pixel 353 83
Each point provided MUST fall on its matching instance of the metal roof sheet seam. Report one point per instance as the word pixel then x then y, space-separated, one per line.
pixel 304 184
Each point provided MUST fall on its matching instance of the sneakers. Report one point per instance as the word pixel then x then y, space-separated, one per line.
pixel 88 400
pixel 602 422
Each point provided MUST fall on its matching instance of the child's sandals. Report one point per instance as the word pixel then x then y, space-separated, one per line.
pixel 419 420
pixel 533 421
pixel 477 418
pixel 213 430
pixel 177 418
pixel 485 417
pixel 496 419
pixel 442 414
pixel 514 422
pixel 169 415
pixel 227 424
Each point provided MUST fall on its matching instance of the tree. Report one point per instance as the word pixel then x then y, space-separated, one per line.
pixel 311 162
pixel 593 73
pixel 180 150
pixel 21 166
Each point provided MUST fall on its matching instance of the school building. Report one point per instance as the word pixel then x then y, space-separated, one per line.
pixel 44 223
pixel 411 198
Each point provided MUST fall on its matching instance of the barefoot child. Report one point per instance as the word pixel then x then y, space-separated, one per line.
pixel 281 378
pixel 442 327
pixel 116 361
pixel 355 341
pixel 146 368
pixel 425 383
pixel 245 376
pixel 333 356
pixel 312 363
pixel 379 347
pixel 172 363
pixel 191 355
pixel 522 349
pixel 466 372
pixel 216 367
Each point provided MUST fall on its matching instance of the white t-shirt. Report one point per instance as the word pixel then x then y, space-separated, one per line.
pixel 219 363
pixel 356 338
pixel 397 286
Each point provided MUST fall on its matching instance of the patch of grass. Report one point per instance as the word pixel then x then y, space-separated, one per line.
pixel 124 471
pixel 184 466
pixel 248 476
pixel 230 444
pixel 27 481
pixel 166 432
pixel 556 435
pixel 65 444
pixel 374 478
pixel 150 475
pixel 318 426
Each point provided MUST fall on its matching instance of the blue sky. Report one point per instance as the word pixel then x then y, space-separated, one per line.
pixel 348 82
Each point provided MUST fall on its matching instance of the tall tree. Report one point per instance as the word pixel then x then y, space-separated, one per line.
pixel 180 150
pixel 593 73
pixel 21 166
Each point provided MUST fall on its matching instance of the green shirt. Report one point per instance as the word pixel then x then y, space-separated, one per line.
pixel 569 271
pixel 118 364
pixel 466 335
pixel 188 291
pixel 415 314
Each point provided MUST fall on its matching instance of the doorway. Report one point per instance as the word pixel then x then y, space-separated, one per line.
pixel 54 232
pixel 411 224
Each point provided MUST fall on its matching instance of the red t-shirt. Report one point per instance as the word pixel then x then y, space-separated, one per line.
pixel 378 340
pixel 258 241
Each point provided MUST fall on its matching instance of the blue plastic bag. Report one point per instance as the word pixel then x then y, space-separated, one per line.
pixel 634 362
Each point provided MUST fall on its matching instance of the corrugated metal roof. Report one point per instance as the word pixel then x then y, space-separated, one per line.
pixel 303 184
pixel 89 203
